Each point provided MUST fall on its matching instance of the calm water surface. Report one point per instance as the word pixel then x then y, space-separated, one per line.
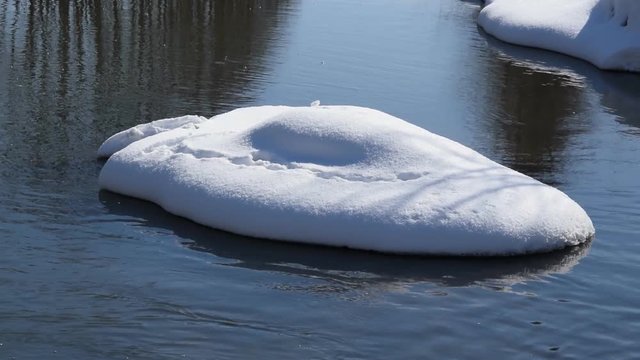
pixel 86 274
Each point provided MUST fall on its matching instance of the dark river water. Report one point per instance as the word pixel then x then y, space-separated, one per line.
pixel 86 274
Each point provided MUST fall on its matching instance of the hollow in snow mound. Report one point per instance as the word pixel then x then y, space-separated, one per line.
pixel 603 32
pixel 342 176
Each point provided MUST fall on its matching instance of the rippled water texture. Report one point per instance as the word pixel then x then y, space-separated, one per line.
pixel 92 275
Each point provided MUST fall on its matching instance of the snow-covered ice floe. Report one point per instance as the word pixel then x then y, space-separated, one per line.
pixel 603 32
pixel 340 176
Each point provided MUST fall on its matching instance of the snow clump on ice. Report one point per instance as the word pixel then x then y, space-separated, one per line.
pixel 603 32
pixel 340 176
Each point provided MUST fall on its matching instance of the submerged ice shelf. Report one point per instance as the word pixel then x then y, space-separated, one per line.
pixel 339 176
pixel 603 32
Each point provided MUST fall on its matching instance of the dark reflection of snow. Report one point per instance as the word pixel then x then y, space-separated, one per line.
pixel 618 91
pixel 343 269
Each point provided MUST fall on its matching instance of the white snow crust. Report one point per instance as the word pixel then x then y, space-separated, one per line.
pixel 120 140
pixel 603 32
pixel 341 176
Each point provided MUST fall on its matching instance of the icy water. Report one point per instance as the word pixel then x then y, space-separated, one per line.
pixel 91 275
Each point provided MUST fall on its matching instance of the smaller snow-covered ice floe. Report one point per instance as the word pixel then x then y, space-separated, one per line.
pixel 340 176
pixel 603 32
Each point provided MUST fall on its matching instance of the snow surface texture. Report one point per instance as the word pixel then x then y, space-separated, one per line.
pixel 342 176
pixel 120 140
pixel 603 32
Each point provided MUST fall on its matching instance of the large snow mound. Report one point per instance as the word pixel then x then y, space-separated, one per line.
pixel 342 176
pixel 603 32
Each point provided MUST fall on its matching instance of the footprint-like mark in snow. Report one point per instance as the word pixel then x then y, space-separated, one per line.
pixel 279 146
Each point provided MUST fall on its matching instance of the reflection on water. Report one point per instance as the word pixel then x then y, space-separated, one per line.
pixel 344 268
pixel 74 71
pixel 531 115
pixel 619 92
